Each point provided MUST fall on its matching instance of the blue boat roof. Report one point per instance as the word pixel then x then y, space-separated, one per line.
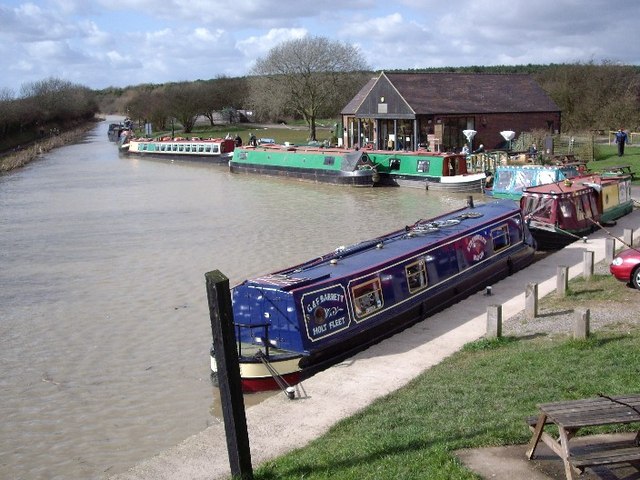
pixel 384 249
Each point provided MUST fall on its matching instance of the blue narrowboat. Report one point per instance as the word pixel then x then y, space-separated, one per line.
pixel 295 322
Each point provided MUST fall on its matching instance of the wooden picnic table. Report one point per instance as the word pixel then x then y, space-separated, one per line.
pixel 570 416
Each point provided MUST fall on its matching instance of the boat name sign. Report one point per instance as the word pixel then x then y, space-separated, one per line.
pixel 325 312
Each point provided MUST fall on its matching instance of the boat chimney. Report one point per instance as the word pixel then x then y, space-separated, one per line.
pixel 470 201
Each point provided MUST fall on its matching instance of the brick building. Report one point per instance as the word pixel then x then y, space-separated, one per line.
pixel 410 110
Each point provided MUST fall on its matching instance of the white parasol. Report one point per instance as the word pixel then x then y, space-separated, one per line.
pixel 508 135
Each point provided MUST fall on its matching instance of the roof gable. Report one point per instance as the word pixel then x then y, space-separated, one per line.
pixel 459 93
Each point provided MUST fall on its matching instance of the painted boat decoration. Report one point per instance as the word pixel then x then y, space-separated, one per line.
pixel 510 180
pixel 211 150
pixel 433 171
pixel 294 322
pixel 326 165
pixel 560 213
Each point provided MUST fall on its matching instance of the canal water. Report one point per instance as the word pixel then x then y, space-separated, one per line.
pixel 104 322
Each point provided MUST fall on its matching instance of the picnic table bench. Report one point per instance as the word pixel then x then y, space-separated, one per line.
pixel 620 170
pixel 571 416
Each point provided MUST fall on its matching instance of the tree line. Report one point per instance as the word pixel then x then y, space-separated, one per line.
pixel 43 107
pixel 311 78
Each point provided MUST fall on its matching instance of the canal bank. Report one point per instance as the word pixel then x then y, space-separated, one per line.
pixel 352 385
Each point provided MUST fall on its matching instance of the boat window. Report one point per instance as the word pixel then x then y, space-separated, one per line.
pixel 216 148
pixel 504 180
pixel 500 238
pixel 329 160
pixel 175 148
pixel 586 206
pixel 394 164
pixel 180 148
pixel 367 297
pixel 416 276
pixel 201 148
pixel 423 166
pixel 579 209
pixel 187 148
pixel 207 148
pixel 565 208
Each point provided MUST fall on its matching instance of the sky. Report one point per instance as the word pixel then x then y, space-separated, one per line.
pixel 107 43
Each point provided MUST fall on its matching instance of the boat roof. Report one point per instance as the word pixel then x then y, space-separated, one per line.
pixel 574 185
pixel 568 166
pixel 345 261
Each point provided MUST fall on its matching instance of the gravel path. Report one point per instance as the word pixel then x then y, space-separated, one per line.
pixel 554 320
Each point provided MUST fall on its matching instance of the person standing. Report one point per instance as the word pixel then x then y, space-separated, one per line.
pixel 621 139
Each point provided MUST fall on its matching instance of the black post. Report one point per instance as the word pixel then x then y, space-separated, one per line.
pixel 224 345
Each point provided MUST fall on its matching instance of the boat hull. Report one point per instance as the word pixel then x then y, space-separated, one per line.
pixel 457 184
pixel 360 178
pixel 257 377
pixel 211 159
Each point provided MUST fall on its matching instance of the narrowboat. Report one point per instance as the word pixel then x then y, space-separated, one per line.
pixel 294 322
pixel 560 213
pixel 510 180
pixel 210 150
pixel 316 164
pixel 430 170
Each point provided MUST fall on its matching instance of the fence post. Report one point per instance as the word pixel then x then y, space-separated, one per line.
pixel 562 280
pixel 588 264
pixel 531 301
pixel 581 324
pixel 628 236
pixel 609 249
pixel 226 353
pixel 494 321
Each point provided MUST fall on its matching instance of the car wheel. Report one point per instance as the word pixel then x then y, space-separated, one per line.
pixel 635 278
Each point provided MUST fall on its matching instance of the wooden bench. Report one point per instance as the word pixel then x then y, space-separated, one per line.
pixel 610 456
pixel 571 416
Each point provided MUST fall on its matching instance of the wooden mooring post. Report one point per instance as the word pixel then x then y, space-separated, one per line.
pixel 588 267
pixel 494 321
pixel 609 249
pixel 562 281
pixel 226 353
pixel 581 328
pixel 531 301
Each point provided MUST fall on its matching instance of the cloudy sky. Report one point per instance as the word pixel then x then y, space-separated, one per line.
pixel 102 43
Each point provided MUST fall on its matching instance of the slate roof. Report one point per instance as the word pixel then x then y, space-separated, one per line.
pixel 463 93
pixel 356 101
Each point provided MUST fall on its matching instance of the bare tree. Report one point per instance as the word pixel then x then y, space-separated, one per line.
pixel 184 100
pixel 309 77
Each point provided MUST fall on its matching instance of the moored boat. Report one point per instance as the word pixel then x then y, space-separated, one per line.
pixel 297 321
pixel 510 180
pixel 560 213
pixel 430 170
pixel 317 164
pixel 211 150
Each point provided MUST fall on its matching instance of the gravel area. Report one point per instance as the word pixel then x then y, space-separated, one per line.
pixel 553 320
